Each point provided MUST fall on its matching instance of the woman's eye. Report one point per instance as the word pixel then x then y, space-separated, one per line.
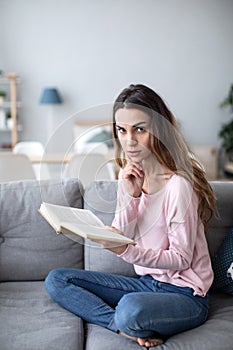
pixel 120 130
pixel 140 130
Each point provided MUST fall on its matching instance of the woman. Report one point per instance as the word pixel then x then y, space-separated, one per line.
pixel 164 204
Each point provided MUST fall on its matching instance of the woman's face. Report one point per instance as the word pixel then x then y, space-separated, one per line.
pixel 133 126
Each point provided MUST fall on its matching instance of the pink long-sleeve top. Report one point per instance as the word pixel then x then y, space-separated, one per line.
pixel 171 244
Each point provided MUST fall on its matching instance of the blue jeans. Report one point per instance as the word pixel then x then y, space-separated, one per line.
pixel 140 307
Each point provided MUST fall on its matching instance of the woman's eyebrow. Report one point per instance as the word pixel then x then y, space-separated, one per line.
pixel 118 126
pixel 134 126
pixel 139 124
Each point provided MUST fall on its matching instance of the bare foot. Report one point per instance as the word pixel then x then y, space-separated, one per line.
pixel 147 342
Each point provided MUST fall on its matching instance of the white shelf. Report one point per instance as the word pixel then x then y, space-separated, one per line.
pixel 5 80
pixel 7 104
pixel 11 80
pixel 19 128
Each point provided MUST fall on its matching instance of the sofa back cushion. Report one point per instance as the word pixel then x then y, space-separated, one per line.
pixel 100 197
pixel 29 247
pixel 220 226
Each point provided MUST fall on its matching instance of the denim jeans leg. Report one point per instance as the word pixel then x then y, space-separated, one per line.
pixel 159 312
pixel 90 295
pixel 140 307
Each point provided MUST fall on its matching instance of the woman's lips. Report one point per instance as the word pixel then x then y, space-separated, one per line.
pixel 133 153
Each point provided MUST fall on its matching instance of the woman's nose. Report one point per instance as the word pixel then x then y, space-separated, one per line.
pixel 131 140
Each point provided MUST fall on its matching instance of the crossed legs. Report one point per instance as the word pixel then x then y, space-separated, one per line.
pixel 130 306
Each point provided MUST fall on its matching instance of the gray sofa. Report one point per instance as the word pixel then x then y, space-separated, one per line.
pixel 29 249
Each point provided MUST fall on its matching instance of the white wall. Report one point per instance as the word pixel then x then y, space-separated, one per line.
pixel 91 49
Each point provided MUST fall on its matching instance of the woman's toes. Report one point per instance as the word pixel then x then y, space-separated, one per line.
pixel 149 342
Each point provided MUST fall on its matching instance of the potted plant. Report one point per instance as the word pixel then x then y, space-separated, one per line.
pixel 2 96
pixel 226 134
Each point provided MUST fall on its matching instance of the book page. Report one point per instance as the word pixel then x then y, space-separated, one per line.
pixel 95 233
pixel 57 214
pixel 81 222
pixel 51 218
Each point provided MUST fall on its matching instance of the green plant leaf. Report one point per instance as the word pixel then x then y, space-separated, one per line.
pixel 228 101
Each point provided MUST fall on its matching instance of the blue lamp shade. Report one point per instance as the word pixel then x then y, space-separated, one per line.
pixel 50 96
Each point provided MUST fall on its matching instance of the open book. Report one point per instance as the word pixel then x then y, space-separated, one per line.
pixel 80 222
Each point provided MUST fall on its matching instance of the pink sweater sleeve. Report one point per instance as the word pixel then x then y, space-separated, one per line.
pixel 126 212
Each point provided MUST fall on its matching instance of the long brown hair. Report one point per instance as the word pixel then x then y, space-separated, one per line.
pixel 166 143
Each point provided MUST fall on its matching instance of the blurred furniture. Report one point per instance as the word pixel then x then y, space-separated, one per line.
pixel 51 158
pixel 33 148
pixel 56 163
pixel 91 147
pixel 29 147
pixel 228 169
pixel 56 158
pixel 92 135
pixel 10 106
pixel 89 167
pixel 207 155
pixel 15 167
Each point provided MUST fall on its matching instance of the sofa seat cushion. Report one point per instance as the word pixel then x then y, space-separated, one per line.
pixel 215 333
pixel 30 320
pixel 29 247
